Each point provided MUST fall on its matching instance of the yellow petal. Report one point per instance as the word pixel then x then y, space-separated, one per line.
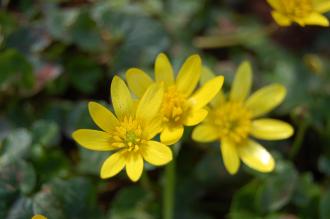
pixel 265 99
pixel 229 156
pixel 93 139
pixel 255 156
pixel 194 117
pixel 206 93
pixel 138 81
pixel 271 129
pixel 189 75
pixel 242 82
pixel 171 134
pixel 322 6
pixel 316 19
pixel 205 133
pixel 134 165
pixel 156 153
pixel 121 98
pixel 148 106
pixel 154 127
pixel 281 19
pixel 163 70
pixel 39 216
pixel 276 4
pixel 102 117
pixel 113 165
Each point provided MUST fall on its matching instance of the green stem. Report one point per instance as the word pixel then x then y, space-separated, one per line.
pixel 297 143
pixel 168 191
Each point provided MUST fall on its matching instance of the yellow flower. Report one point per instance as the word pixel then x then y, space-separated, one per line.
pixel 303 12
pixel 181 106
pixel 234 118
pixel 129 134
pixel 38 216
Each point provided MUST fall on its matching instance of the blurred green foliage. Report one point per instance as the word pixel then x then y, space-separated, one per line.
pixel 56 55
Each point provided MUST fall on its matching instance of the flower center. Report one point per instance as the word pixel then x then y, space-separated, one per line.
pixel 174 105
pixel 297 8
pixel 233 121
pixel 128 134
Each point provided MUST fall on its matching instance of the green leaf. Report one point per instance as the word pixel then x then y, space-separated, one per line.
pixel 45 133
pixel 15 69
pixel 16 146
pixel 21 209
pixel 278 188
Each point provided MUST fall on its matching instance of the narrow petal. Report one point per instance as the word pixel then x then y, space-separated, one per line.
pixel 113 165
pixel 256 157
pixel 121 98
pixel 189 75
pixel 156 153
pixel 194 117
pixel 242 82
pixel 271 129
pixel 230 156
pixel 281 19
pixel 102 117
pixel 164 70
pixel 149 105
pixel 322 6
pixel 265 99
pixel 316 19
pixel 138 81
pixel 171 134
pixel 276 4
pixel 134 165
pixel 205 133
pixel 93 139
pixel 206 93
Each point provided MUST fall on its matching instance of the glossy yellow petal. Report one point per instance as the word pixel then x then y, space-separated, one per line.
pixel 322 6
pixel 271 129
pixel 102 117
pixel 265 99
pixel 171 134
pixel 156 153
pixel 205 133
pixel 229 156
pixel 281 19
pixel 149 105
pixel 242 83
pixel 93 139
pixel 154 127
pixel 276 4
pixel 194 117
pixel 189 75
pixel 39 216
pixel 138 81
pixel 255 156
pixel 121 98
pixel 164 70
pixel 316 19
pixel 134 165
pixel 206 93
pixel 113 165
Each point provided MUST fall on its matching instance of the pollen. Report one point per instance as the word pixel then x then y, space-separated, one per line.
pixel 128 134
pixel 297 8
pixel 232 120
pixel 174 105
